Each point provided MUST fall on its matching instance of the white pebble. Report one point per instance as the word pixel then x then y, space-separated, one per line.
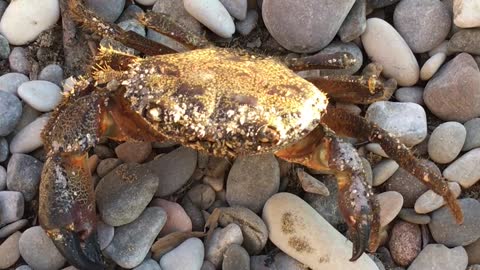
pixel 29 139
pixel 43 96
pixel 466 13
pixel 384 45
pixel 187 256
pixel 431 201
pixel 213 15
pixel 24 20
pixel 432 65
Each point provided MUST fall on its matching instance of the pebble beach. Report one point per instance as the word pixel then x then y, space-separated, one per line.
pixel 431 48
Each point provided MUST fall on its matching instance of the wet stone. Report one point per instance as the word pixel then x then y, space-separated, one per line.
pixel 10 112
pixel 23 175
pixel 38 250
pixel 472 139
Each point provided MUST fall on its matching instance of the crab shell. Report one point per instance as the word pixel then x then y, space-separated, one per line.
pixel 223 101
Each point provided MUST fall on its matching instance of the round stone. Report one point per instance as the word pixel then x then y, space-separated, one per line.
pixel 43 96
pixel 12 207
pixel 412 94
pixel 391 203
pixel 446 142
pixel 3 178
pixel 52 73
pixel 213 15
pixel 23 175
pixel 10 112
pixel 436 256
pixel 305 26
pixel 405 242
pixel 146 2
pixel 38 250
pixel 133 152
pixel 177 218
pixel 465 40
pixel 218 243
pixel 108 10
pixel 247 25
pixel 24 20
pixel 9 252
pixel 383 170
pixel 202 196
pixel 423 24
pixel 18 61
pixel 465 169
pixel 11 81
pixel 4 48
pixel 409 215
pixel 29 137
pixel 385 46
pixel 188 255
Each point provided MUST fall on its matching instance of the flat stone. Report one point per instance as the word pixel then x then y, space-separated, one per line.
pixel 136 152
pixel 173 169
pixel 464 170
pixel 108 10
pixel 466 13
pixel 412 94
pixel 446 142
pixel 29 138
pixel 252 180
pixel 177 218
pixel 446 231
pixel 383 170
pixel 386 46
pixel 23 175
pixel 439 257
pixel 423 24
pixel 409 215
pixel 213 15
pixel 236 258
pixel 43 96
pixel 453 94
pixel 131 242
pixel 431 201
pixel 24 20
pixel 306 26
pixel 220 240
pixel 38 250
pixel 391 203
pixel 299 231
pixel 9 252
pixel 188 255
pixel 236 8
pixel 10 112
pixel 52 73
pixel 432 65
pixel 107 165
pixel 465 40
pixel 11 81
pixel 406 121
pixel 124 193
pixel 405 242
pixel 11 228
pixel 472 139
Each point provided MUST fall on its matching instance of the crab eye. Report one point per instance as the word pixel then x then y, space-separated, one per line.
pixel 268 134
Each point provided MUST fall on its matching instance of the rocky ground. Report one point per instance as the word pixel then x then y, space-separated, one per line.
pixel 430 47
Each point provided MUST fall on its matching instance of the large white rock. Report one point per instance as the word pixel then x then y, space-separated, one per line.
pixel 384 45
pixel 43 96
pixel 24 20
pixel 466 13
pixel 213 15
pixel 299 231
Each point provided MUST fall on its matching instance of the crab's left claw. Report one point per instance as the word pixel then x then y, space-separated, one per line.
pixel 360 234
pixel 67 209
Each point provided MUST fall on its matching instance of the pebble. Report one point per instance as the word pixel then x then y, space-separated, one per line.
pixel 220 240
pixel 176 9
pixel 43 96
pixel 103 151
pixel 202 196
pixel 313 31
pixel 412 94
pixel 355 23
pixel 466 13
pixel 132 241
pixel 146 2
pixel 9 252
pixel 464 170
pixel 406 121
pixel 130 12
pixel 431 66
pixel 327 206
pixel 384 170
pixel 247 25
pixel 385 46
pixel 11 81
pixel 311 184
pixel 442 48
pixel 107 165
pixel 24 20
pixel 252 180
pixel 23 175
pixel 431 201
pixel 446 231
pixel 213 15
pixel 3 178
pixel 236 258
pixel 173 169
pixel 465 40
pixel 236 8
pixel 207 266
pixel 4 48
pixel 446 142
pixel 108 10
pixel 25 267
pixel 284 262
pixel 148 264
pixel 254 230
pixel 187 256
pixel 472 139
pixel 29 138
pixel 194 213
pixel 473 251
pixel 408 185
pixel 12 228
pixel 18 61
pixel 439 257
pixel 376 149
pixel 133 152
pixel 124 193
pixel 405 242
pixel 38 250
pixel 105 234
pixel 3 152
pixel 391 203
pixel 454 93
pixel 10 112
pixel 409 215
pixel 52 73
pixel 299 231
pixel 177 218
pixel 423 24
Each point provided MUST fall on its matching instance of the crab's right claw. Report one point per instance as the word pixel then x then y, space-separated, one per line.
pixel 67 209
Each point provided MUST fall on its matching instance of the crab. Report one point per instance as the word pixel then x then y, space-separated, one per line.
pixel 225 102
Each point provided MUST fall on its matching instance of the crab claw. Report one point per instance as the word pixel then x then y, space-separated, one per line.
pixel 360 235
pixel 67 209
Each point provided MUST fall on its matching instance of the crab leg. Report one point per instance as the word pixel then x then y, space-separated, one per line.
pixel 350 125
pixel 322 150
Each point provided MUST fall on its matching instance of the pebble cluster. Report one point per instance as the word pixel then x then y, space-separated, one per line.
pixel 430 47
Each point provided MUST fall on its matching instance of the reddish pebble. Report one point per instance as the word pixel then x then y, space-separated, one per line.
pixel 177 218
pixel 405 242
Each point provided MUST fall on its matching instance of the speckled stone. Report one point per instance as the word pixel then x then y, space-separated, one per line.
pixel 466 13
pixel 3 154
pixel 12 227
pixel 466 40
pixel 472 139
pixel 405 242
pixel 446 142
pixel 12 207
pixel 439 257
pixel 9 252
pixel 38 250
pixel 135 152
pixel 18 61
pixel 391 203
pixel 23 175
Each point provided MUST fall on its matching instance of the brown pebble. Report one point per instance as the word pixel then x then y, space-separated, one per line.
pixel 136 152
pixel 405 242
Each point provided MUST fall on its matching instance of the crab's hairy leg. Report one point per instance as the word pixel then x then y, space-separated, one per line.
pixel 164 24
pixel 351 125
pixel 322 150
pixel 95 24
pixel 364 89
